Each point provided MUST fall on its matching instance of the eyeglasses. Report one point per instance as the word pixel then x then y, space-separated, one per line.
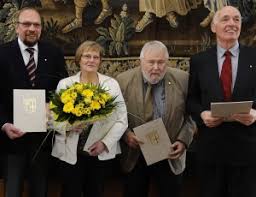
pixel 87 57
pixel 28 24
pixel 157 62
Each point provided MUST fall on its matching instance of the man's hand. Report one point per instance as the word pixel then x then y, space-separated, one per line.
pixel 97 148
pixel 132 140
pixel 209 120
pixel 245 119
pixel 177 149
pixel 11 131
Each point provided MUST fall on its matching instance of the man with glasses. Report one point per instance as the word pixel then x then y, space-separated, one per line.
pixel 168 92
pixel 26 63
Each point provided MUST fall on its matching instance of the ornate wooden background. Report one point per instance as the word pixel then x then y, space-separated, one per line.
pixel 184 40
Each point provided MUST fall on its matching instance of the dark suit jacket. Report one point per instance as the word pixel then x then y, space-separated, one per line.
pixel 179 126
pixel 50 69
pixel 230 142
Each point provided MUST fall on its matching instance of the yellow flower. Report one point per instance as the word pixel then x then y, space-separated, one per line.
pixel 86 111
pixel 77 111
pixel 65 97
pixel 105 96
pixel 102 102
pixel 81 102
pixel 80 105
pixel 73 95
pixel 87 93
pixel 78 87
pixel 96 97
pixel 95 105
pixel 87 100
pixel 68 107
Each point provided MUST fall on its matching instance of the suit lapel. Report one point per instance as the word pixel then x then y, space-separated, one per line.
pixel 212 77
pixel 41 63
pixel 169 97
pixel 19 65
pixel 242 72
pixel 139 93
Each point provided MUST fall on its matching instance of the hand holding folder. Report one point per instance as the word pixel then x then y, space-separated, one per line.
pixel 227 109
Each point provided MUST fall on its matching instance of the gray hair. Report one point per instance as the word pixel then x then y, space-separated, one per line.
pixel 153 45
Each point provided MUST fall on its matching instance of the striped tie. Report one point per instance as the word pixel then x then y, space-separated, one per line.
pixel 31 66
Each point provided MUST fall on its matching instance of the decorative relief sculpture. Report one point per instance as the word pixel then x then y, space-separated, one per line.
pixel 115 38
pixel 79 8
pixel 161 8
pixel 212 6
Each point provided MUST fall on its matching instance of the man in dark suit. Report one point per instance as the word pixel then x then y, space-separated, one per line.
pixel 226 147
pixel 168 90
pixel 48 69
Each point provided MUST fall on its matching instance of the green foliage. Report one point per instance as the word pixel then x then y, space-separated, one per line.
pixel 115 38
pixel 8 14
pixel 254 7
pixel 50 29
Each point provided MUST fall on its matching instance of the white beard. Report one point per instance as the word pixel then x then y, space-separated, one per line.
pixel 152 81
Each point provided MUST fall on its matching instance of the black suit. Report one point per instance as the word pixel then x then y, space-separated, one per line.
pixel 230 144
pixel 50 69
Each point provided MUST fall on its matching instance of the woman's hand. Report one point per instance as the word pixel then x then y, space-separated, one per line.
pixel 97 148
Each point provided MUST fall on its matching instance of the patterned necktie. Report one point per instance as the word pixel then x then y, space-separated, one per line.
pixel 31 66
pixel 226 76
pixel 148 103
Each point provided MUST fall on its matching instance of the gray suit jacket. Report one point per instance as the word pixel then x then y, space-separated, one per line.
pixel 179 126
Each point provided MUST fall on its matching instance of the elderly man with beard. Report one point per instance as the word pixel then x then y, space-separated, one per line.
pixel 26 63
pixel 168 90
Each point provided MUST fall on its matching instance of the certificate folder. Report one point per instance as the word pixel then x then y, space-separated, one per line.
pixel 29 113
pixel 226 109
pixel 157 144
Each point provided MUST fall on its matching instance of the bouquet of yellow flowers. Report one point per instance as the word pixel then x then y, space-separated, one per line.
pixel 81 103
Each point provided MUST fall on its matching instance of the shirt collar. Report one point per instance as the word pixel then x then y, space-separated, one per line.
pixel 234 50
pixel 23 47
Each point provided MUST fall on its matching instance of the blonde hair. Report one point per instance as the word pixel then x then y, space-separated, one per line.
pixel 87 46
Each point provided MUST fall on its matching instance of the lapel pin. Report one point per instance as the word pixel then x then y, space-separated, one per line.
pixel 45 60
pixel 169 83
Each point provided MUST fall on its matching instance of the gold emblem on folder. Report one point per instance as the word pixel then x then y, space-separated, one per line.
pixel 153 137
pixel 29 104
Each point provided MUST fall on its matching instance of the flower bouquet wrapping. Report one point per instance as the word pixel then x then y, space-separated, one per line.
pixel 79 105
